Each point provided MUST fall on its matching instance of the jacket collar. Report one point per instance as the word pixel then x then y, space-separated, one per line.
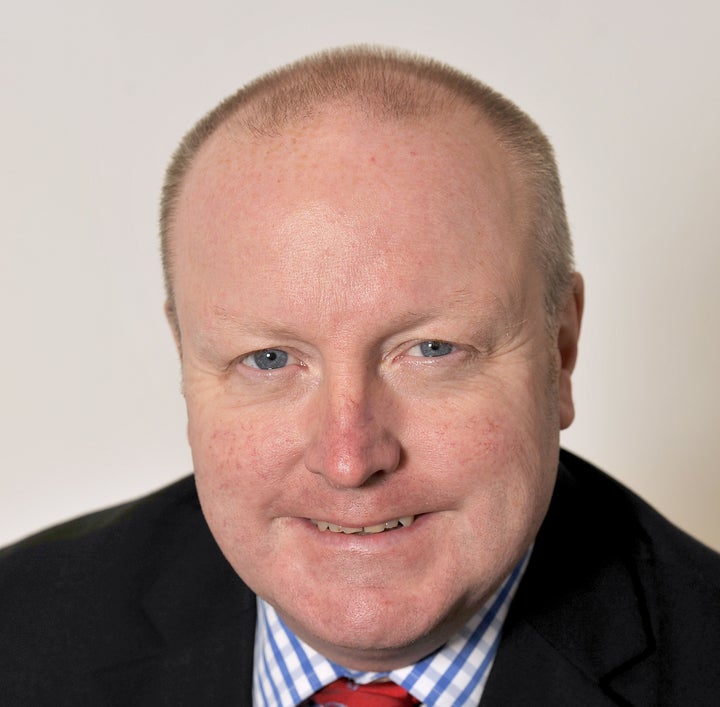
pixel 578 630
pixel 192 642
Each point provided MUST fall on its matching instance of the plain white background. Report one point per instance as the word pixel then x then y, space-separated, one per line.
pixel 96 94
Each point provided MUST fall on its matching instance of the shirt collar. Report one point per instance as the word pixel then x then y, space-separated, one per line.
pixel 287 671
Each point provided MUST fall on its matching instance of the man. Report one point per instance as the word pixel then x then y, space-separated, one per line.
pixel 370 285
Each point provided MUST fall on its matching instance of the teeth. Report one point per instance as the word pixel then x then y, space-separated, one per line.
pixel 405 521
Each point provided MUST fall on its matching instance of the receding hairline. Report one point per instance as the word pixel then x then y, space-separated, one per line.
pixel 385 85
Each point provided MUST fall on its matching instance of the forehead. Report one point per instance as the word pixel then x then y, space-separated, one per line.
pixel 340 148
pixel 380 199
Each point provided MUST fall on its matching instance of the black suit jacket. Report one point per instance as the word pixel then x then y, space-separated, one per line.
pixel 136 606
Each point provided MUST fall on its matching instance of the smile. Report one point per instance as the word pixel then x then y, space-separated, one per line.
pixel 404 522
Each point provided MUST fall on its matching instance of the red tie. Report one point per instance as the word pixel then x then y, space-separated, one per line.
pixel 344 693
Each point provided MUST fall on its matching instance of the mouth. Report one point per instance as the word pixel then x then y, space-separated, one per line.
pixel 404 522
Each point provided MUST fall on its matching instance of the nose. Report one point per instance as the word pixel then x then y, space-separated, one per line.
pixel 352 441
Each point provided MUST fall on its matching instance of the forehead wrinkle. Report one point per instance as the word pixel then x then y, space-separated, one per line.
pixel 490 313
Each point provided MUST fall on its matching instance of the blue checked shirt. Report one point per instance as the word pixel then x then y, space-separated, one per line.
pixel 288 671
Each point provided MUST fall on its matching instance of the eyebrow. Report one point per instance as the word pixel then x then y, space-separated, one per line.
pixel 223 319
pixel 491 310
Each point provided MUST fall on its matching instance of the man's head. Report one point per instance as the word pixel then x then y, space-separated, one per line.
pixel 373 333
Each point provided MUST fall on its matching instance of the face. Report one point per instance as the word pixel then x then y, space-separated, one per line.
pixel 374 399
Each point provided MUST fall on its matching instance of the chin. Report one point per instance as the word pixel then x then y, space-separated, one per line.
pixel 374 630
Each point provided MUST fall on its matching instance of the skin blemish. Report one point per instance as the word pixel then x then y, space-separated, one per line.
pixel 372 159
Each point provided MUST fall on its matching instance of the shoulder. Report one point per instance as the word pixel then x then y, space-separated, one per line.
pixel 131 605
pixel 589 496
pixel 634 557
pixel 617 606
pixel 104 536
pixel 67 590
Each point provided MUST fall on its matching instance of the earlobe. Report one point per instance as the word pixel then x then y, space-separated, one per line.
pixel 569 321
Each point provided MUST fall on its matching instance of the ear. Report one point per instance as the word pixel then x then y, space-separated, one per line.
pixel 568 333
pixel 171 316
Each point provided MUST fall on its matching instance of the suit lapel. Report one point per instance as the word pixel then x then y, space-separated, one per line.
pixel 195 630
pixel 577 631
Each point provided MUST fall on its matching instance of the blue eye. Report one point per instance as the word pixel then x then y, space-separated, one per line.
pixel 267 359
pixel 433 348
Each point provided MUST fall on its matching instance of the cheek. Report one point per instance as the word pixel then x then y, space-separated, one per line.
pixel 220 448
pixel 239 466
pixel 499 459
pixel 230 445
pixel 481 437
pixel 240 483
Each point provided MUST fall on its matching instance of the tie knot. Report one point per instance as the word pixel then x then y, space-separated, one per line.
pixel 345 693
